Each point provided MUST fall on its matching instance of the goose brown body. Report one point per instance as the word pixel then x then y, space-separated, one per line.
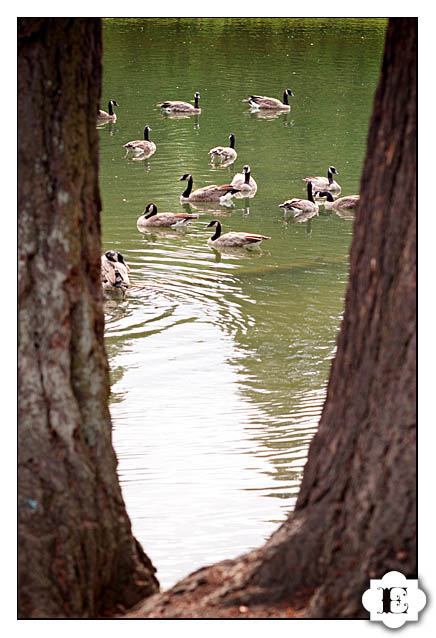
pixel 272 103
pixel 211 193
pixel 244 181
pixel 114 271
pixel 111 115
pixel 298 206
pixel 145 146
pixel 224 153
pixel 150 218
pixel 325 183
pixel 233 239
pixel 181 107
pixel 348 202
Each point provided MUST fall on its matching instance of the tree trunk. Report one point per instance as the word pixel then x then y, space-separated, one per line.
pixel 356 511
pixel 77 556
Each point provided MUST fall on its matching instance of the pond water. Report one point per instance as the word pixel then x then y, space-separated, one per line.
pixel 219 362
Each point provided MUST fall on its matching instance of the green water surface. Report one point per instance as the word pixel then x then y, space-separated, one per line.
pixel 220 362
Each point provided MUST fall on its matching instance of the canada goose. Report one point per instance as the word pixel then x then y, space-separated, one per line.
pixel 160 220
pixel 298 206
pixel 114 271
pixel 262 102
pixel 350 201
pixel 232 238
pixel 212 193
pixel 325 183
pixel 184 107
pixel 244 181
pixel 102 115
pixel 144 146
pixel 224 153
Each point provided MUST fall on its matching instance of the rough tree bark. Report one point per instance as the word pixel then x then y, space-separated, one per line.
pixel 77 556
pixel 355 515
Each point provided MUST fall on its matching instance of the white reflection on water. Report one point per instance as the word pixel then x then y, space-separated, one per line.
pixel 195 449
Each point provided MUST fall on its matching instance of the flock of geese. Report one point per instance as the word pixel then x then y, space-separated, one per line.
pixel 114 269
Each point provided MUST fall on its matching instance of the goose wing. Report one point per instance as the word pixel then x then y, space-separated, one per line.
pixel 316 179
pixel 134 144
pixel 222 150
pixel 218 150
pixel 176 105
pixel 266 102
pixel 170 219
pixel 224 188
pixel 298 205
pixel 255 98
pixel 107 272
pixel 350 201
pixel 241 239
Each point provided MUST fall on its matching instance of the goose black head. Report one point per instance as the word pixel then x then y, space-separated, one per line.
pixel 151 207
pixel 246 169
pixel 114 103
pixel 185 176
pixel 111 255
pixel 197 94
pixel 121 258
pixel 212 223
pixel 325 194
pixel 289 92
pixel 333 170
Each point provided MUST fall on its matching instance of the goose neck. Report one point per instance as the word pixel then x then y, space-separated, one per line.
pixel 188 189
pixel 152 212
pixel 196 102
pixel 247 177
pixel 110 109
pixel 330 177
pixel 232 141
pixel 217 231
pixel 285 98
pixel 309 192
pixel 146 134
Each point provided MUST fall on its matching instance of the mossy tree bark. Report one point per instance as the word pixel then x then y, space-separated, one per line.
pixel 355 516
pixel 77 556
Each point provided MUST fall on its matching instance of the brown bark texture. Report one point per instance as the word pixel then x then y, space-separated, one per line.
pixel 355 516
pixel 77 557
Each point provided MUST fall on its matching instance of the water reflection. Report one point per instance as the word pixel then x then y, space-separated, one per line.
pixel 300 218
pixel 271 115
pixel 195 117
pixel 345 214
pixel 208 207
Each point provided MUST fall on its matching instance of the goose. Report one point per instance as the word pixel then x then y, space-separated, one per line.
pixel 102 115
pixel 244 181
pixel 298 206
pixel 154 219
pixel 114 271
pixel 350 201
pixel 224 153
pixel 183 107
pixel 144 146
pixel 234 239
pixel 262 102
pixel 212 193
pixel 325 183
